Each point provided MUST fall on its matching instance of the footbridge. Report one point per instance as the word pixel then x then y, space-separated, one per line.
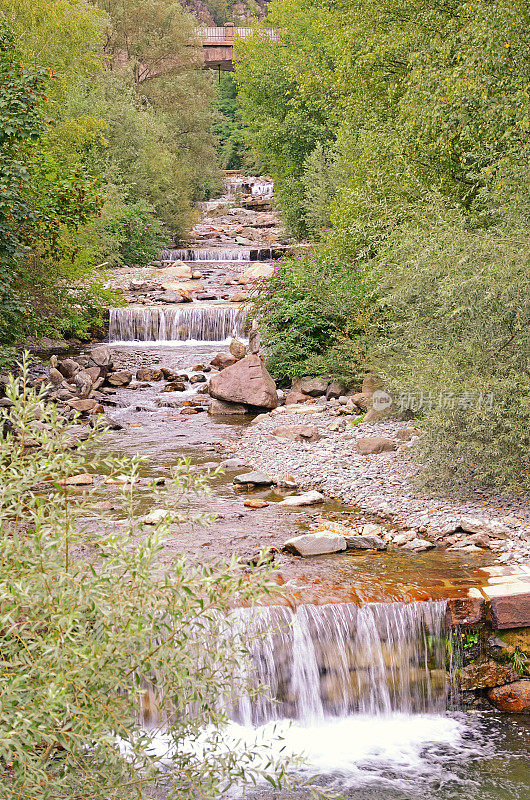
pixel 218 44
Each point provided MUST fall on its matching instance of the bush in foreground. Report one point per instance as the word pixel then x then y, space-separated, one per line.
pixel 90 622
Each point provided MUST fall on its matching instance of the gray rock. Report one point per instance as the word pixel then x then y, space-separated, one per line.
pixel 218 407
pixel 101 355
pixel 361 542
pixel 55 376
pixel 307 499
pixel 83 382
pixel 494 528
pixel 104 421
pixel 315 544
pixel 68 367
pixel 257 478
pixel 418 545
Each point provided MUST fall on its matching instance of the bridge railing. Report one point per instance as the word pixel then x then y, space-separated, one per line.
pixel 225 35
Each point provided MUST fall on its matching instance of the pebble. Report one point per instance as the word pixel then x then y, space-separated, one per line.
pixel 382 484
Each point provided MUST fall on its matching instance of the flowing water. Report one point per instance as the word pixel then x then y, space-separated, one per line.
pixel 195 324
pixel 341 659
pixel 359 689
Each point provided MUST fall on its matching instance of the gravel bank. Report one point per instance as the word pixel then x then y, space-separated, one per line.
pixel 379 484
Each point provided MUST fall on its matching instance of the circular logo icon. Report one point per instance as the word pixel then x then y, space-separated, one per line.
pixel 381 400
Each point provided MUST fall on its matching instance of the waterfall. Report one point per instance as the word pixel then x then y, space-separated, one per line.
pixel 154 324
pixel 263 189
pixel 206 255
pixel 338 660
pixel 221 255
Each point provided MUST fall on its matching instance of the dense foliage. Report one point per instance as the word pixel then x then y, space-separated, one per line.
pixel 316 317
pixel 397 133
pixel 94 628
pixel 107 143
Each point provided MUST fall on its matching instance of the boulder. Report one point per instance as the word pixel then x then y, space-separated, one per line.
pixel 171 375
pixel 335 390
pixel 247 381
pixel 239 297
pixel 307 499
pixel 122 378
pixel 149 374
pixel 55 376
pixel 138 286
pixel 298 433
pixel 238 349
pixel 173 297
pixel 314 387
pixel 156 516
pixel 83 406
pixel 315 544
pixel 101 355
pixel 255 477
pixel 371 445
pixel 485 675
pixel 83 382
pixel 513 698
pixel 257 272
pixel 361 400
pixel 178 269
pixel 294 398
pixel 223 360
pixel 174 386
pixel 68 367
pixel 198 378
pixel 104 421
pixel 220 407
pixel 493 528
pixel 362 542
pixel 233 463
pixel 418 545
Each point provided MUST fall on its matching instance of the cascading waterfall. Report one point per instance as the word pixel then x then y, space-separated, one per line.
pixel 263 189
pixel 206 255
pixel 338 660
pixel 219 255
pixel 156 324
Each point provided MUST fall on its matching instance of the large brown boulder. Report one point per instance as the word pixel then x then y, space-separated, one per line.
pixel 514 697
pixel 246 382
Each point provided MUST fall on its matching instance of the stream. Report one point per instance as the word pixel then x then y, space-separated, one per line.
pixel 356 661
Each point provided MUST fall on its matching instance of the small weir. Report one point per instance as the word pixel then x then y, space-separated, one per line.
pixel 338 660
pixel 157 324
pixel 219 254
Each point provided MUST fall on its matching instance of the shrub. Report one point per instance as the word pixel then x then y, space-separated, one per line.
pixel 90 621
pixel 459 337
pixel 317 314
